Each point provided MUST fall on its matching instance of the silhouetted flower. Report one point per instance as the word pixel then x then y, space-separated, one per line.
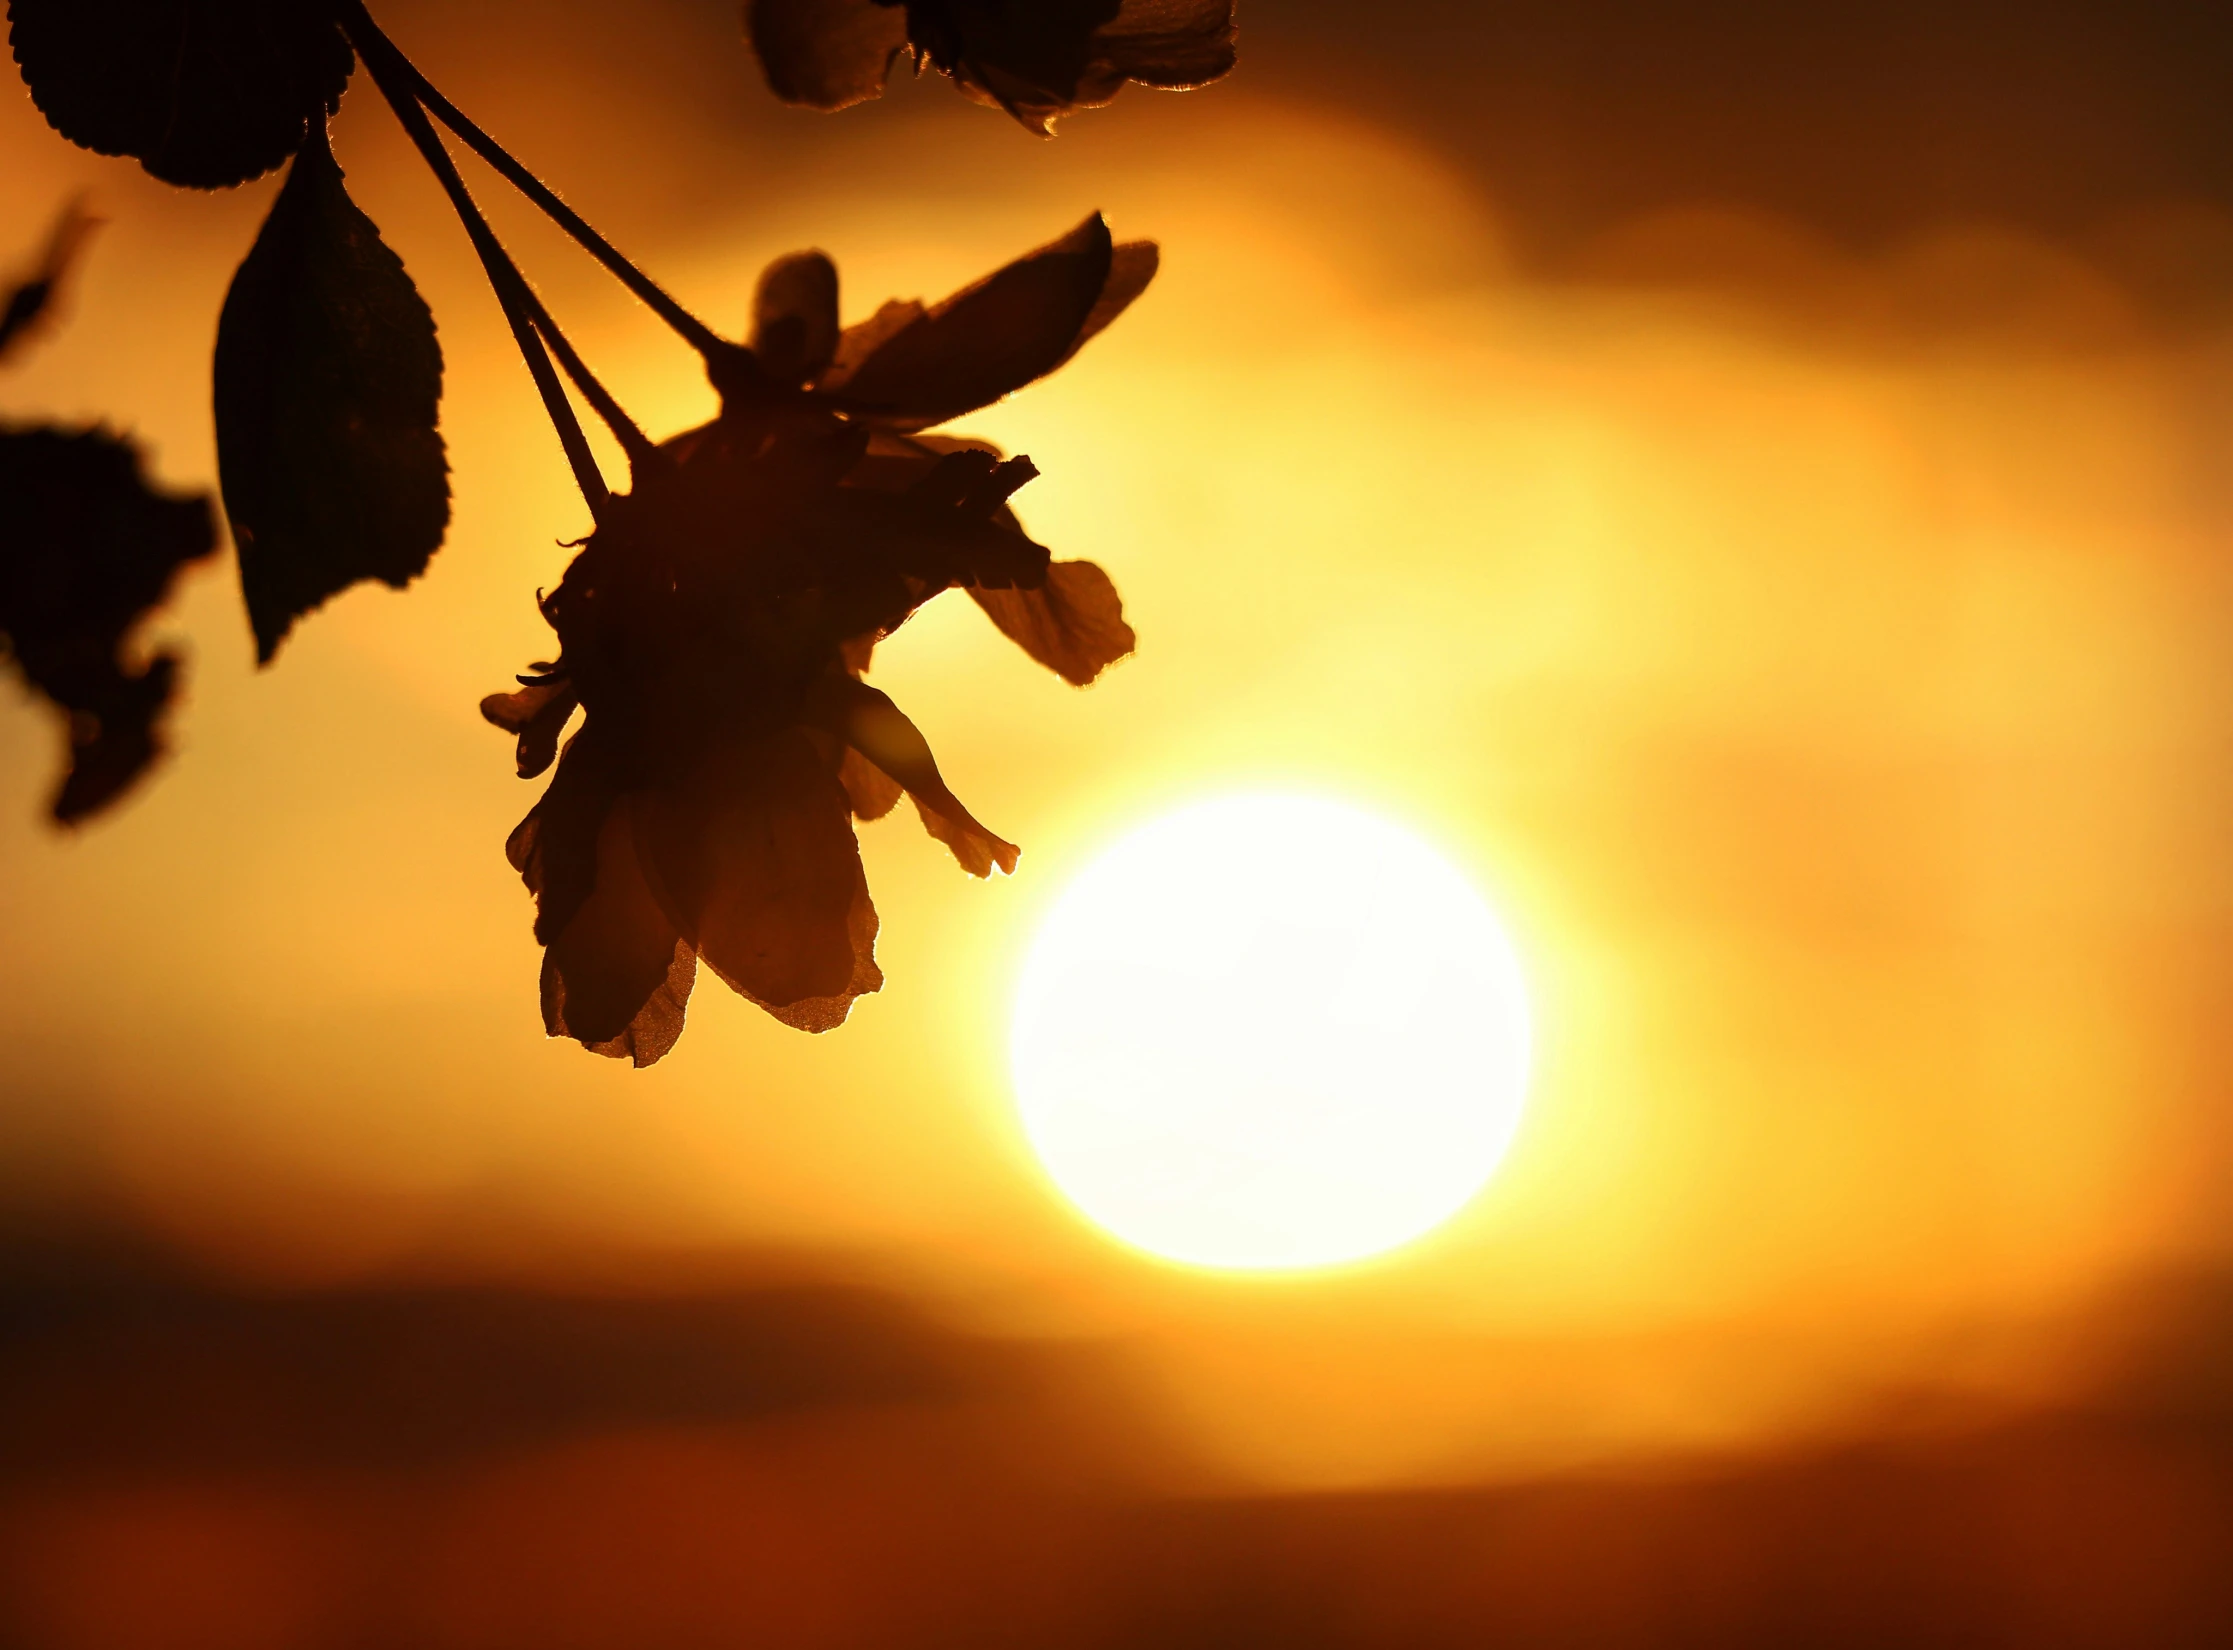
pixel 1037 59
pixel 715 627
pixel 87 549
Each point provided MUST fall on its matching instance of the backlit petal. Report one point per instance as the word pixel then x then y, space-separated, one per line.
pixel 872 792
pixel 985 341
pixel 555 847
pixel 1173 44
pixel 1073 624
pixel 755 859
pixel 617 978
pixel 826 54
pixel 881 731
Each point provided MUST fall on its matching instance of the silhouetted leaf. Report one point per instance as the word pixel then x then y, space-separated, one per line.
pixel 86 549
pixel 908 367
pixel 328 385
pixel 1037 60
pixel 30 304
pixel 206 93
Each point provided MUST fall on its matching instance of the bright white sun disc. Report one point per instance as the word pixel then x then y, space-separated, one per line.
pixel 1270 1032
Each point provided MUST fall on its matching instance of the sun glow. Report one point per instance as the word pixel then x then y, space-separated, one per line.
pixel 1270 1032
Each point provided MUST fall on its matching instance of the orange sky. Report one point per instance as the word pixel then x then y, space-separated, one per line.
pixel 1818 657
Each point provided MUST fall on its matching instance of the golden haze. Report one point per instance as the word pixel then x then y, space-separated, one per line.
pixel 1819 659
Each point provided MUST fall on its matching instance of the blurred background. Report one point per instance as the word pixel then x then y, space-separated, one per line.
pixel 1750 483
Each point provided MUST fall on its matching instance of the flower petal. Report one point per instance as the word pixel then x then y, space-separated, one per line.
pixel 826 54
pixel 1026 59
pixel 872 792
pixel 657 1025
pixel 1172 44
pixel 794 317
pixel 1131 267
pixel 981 542
pixel 538 714
pixel 1041 60
pixel 827 1013
pixel 864 338
pixel 555 848
pixel 880 731
pixel 617 979
pixel 1073 624
pixel 982 343
pixel 975 849
pixel 755 860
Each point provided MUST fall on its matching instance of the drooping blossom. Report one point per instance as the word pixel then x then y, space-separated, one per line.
pixel 1037 59
pixel 715 628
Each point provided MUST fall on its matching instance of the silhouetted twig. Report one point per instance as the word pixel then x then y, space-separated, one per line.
pixel 696 333
pixel 398 84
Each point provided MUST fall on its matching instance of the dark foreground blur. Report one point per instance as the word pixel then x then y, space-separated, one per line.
pixel 181 1465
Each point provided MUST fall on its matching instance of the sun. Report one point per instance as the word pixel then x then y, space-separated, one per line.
pixel 1269 1032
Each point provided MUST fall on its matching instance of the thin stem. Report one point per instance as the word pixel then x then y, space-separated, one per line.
pixel 512 292
pixel 637 445
pixel 693 331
